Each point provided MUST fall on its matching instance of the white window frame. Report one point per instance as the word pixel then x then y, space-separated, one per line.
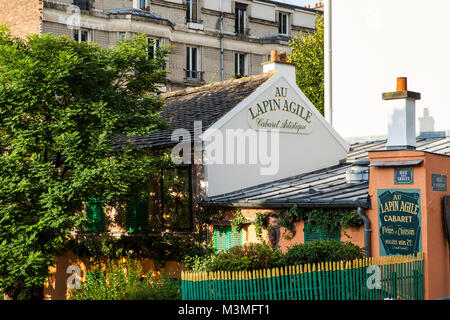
pixel 191 10
pixel 237 61
pixel 244 27
pixel 89 34
pixel 138 4
pixel 190 64
pixel 280 16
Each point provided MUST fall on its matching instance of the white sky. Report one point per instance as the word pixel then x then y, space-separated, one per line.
pixel 376 41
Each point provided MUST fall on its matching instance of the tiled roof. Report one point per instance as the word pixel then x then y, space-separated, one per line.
pixel 206 104
pixel 323 188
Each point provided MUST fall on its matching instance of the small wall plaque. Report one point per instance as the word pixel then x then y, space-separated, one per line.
pixel 404 176
pixel 438 182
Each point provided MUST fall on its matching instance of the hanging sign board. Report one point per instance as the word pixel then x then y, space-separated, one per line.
pixel 438 182
pixel 281 111
pixel 399 220
pixel 404 176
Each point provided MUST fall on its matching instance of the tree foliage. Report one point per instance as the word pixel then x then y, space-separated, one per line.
pixel 61 105
pixel 308 57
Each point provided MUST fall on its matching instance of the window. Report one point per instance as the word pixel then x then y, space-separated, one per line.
pixel 82 35
pixel 176 198
pixel 226 238
pixel 83 4
pixel 122 36
pixel 192 64
pixel 241 19
pixel 153 46
pixel 192 11
pixel 95 213
pixel 137 216
pixel 283 23
pixel 142 4
pixel 318 235
pixel 240 65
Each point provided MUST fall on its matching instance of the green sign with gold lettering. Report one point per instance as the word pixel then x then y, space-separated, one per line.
pixel 399 220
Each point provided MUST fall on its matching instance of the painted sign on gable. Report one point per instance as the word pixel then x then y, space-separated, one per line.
pixel 280 113
pixel 399 221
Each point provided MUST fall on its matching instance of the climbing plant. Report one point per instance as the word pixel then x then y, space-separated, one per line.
pixel 261 223
pixel 238 223
pixel 328 220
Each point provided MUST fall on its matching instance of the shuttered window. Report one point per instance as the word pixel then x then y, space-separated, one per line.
pixel 225 238
pixel 319 235
pixel 95 213
pixel 137 216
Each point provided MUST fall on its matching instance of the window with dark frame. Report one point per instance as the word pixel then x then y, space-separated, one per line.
pixel 83 4
pixel 142 4
pixel 241 19
pixel 192 11
pixel 137 216
pixel 82 35
pixel 192 64
pixel 153 46
pixel 240 65
pixel 283 20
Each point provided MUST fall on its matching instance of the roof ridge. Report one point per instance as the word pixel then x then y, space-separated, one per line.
pixel 218 83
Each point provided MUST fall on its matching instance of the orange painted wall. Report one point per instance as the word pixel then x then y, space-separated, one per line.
pixel 56 286
pixel 354 235
pixel 434 242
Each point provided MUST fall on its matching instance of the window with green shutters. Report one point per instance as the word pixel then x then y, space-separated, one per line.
pixel 95 213
pixel 319 235
pixel 225 238
pixel 137 216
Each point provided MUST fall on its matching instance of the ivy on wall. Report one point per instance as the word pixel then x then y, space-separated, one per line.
pixel 239 221
pixel 327 220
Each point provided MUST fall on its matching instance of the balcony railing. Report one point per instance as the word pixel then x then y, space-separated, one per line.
pixel 193 75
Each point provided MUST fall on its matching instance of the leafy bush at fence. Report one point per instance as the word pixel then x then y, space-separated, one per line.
pixel 114 283
pixel 322 251
pixel 251 256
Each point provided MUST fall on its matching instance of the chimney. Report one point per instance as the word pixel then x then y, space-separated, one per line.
pixel 279 62
pixel 402 117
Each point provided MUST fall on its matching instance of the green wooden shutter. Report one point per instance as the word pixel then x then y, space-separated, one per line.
pixel 319 235
pixel 234 238
pixel 225 238
pixel 95 212
pixel 137 216
pixel 220 238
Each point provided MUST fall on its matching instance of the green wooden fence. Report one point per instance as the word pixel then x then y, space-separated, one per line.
pixel 399 277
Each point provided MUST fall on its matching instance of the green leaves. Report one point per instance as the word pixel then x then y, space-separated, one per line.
pixel 308 56
pixel 61 105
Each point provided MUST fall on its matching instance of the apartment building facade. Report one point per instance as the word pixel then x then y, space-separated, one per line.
pixel 213 40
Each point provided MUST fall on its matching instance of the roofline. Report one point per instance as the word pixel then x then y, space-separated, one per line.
pixel 284 205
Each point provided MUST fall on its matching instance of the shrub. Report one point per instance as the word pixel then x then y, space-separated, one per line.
pixel 251 256
pixel 322 251
pixel 114 283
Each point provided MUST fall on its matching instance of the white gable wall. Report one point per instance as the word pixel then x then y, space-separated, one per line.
pixel 298 153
